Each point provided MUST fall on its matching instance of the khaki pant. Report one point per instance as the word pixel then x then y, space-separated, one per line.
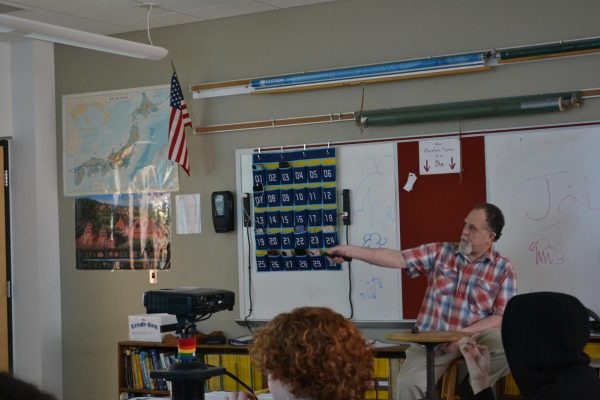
pixel 411 382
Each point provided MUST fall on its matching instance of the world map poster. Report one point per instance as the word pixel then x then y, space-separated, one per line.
pixel 116 142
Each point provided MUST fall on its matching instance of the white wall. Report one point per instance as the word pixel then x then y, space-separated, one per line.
pixel 5 91
pixel 35 238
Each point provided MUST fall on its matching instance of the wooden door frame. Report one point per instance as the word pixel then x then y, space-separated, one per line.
pixel 6 363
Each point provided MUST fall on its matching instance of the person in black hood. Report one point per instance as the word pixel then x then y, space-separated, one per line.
pixel 12 388
pixel 543 335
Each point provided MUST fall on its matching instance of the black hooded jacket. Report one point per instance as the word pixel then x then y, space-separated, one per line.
pixel 543 336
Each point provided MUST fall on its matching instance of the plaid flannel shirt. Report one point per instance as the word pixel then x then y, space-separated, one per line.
pixel 460 292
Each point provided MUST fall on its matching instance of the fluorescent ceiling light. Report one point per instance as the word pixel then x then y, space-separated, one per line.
pixel 73 37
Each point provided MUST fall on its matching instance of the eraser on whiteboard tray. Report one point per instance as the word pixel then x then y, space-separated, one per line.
pixel 345 258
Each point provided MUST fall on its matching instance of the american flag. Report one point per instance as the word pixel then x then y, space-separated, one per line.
pixel 179 119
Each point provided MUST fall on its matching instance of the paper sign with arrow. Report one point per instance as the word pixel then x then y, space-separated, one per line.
pixel 439 156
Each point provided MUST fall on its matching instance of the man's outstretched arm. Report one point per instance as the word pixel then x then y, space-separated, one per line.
pixel 383 257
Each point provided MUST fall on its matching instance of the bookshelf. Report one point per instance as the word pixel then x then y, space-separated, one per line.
pixel 137 359
pixel 235 359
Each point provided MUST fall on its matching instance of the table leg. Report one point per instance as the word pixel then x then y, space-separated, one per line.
pixel 431 392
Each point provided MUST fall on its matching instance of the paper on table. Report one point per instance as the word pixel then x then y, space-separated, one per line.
pixel 216 396
pixel 378 344
pixel 225 396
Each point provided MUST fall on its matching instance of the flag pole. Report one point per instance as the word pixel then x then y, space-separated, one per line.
pixel 173 66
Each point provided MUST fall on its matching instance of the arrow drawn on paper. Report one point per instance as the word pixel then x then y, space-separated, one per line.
pixel 452 163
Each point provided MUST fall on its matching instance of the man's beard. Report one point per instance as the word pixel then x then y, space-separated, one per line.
pixel 465 247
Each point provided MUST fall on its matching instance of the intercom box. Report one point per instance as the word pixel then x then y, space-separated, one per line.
pixel 222 211
pixel 151 327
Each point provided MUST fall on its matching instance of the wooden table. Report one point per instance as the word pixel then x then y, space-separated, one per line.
pixel 429 339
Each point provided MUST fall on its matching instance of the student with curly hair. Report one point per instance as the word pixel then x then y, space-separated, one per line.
pixel 313 353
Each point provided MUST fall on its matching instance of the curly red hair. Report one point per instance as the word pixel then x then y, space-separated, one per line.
pixel 316 353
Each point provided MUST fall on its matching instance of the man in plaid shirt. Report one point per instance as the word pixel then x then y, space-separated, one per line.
pixel 469 284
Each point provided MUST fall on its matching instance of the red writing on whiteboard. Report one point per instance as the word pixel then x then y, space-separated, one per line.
pixel 547 252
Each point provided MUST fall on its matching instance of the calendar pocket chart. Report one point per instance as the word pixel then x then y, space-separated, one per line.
pixel 295 210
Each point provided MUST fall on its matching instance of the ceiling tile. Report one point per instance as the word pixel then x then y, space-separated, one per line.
pixel 118 16
pixel 157 21
pixel 230 9
pixel 107 29
pixel 98 10
pixel 183 6
pixel 56 18
pixel 292 3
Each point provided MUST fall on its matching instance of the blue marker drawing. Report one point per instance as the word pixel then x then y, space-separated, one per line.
pixel 374 240
pixel 375 174
pixel 369 289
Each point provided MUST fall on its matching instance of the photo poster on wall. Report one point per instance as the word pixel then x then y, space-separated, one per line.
pixel 368 171
pixel 123 232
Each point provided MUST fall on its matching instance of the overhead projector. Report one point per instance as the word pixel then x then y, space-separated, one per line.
pixel 188 301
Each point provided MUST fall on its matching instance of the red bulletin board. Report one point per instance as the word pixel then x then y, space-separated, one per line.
pixel 436 207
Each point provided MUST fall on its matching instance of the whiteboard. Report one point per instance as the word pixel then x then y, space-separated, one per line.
pixel 370 172
pixel 547 182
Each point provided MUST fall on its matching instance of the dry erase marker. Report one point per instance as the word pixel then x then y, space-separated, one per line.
pixel 345 258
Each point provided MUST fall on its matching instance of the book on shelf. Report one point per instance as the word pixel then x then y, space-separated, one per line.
pixel 127 368
pixel 158 358
pixel 229 362
pixel 143 366
pixel 135 368
pixel 216 382
pixel 140 374
pixel 241 341
pixel 149 368
pixel 163 360
pixel 155 367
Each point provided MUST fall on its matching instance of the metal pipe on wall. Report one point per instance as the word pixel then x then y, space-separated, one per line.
pixel 549 50
pixel 469 109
